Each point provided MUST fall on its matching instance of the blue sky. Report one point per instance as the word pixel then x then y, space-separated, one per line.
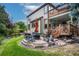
pixel 19 11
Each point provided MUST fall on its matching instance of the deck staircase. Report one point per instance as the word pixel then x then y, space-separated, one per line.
pixel 35 44
pixel 24 43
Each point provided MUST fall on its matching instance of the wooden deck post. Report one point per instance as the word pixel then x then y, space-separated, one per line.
pixel 71 19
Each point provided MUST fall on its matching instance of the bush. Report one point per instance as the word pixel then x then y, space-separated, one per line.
pixel 1 39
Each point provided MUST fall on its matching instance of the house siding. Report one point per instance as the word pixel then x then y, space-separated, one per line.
pixel 40 15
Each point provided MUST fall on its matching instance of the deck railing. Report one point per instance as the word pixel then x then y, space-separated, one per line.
pixel 65 30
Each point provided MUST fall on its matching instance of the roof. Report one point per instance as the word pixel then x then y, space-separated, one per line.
pixel 42 7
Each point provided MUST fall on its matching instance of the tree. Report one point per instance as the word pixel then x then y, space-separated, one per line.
pixel 75 11
pixel 18 28
pixel 22 26
pixel 5 23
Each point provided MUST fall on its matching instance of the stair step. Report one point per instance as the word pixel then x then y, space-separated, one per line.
pixel 25 40
pixel 23 43
pixel 27 46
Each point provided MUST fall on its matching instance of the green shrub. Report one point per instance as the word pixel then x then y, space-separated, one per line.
pixel 1 38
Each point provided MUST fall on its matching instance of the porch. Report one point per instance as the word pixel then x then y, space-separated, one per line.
pixel 63 25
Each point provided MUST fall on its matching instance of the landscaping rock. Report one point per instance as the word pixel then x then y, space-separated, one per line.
pixel 59 42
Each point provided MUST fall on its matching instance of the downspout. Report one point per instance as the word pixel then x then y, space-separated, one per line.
pixel 48 17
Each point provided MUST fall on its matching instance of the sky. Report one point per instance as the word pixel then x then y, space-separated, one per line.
pixel 18 11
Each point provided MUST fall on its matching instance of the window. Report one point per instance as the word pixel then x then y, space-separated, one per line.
pixel 45 9
pixel 45 26
pixel 50 7
pixel 33 25
pixel 49 25
pixel 29 26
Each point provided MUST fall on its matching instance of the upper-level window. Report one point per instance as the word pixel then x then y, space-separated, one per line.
pixel 45 9
pixel 50 7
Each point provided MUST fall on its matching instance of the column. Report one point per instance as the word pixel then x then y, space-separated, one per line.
pixel 31 28
pixel 71 19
